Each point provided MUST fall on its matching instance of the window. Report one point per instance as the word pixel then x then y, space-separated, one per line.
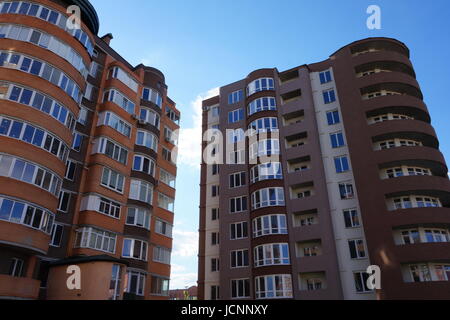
pixel 214 214
pixel 215 265
pixel 215 293
pixel 160 286
pixel 119 99
pixel 333 117
pixel 214 238
pixel 144 164
pixel 346 191
pixel 138 217
pixel 415 202
pixel 150 116
pixel 117 123
pixel 394 173
pixel 124 77
pixel 420 273
pixel 83 116
pixel 262 104
pixel 166 202
pixel 238 180
pixel 341 164
pixel 273 287
pixel 235 97
pixel 149 94
pixel 170 136
pixel 168 156
pixel 56 236
pixel 351 218
pixel 236 116
pixel 110 208
pixel 215 111
pixel 16 268
pixel 147 139
pixel 265 148
pixel 266 171
pixel 268 225
pixel 436 235
pixel 325 77
pixel 240 288
pixel 361 282
pixel 135 283
pixel 410 236
pixel 272 254
pixel 215 169
pixel 238 230
pixel 135 249
pixel 314 284
pixel 164 228
pixel 64 201
pixel 214 191
pixel 173 116
pixel 262 84
pixel 141 191
pixel 357 250
pixel 112 150
pixel 268 197
pixel 264 125
pixel 239 258
pixel 113 180
pixel 329 96
pixel 161 255
pixel 337 140
pixel 96 239
pixel 71 168
pixel 30 173
pixel 238 204
pixel 167 178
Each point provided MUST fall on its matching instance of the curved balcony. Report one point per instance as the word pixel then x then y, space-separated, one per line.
pixel 407 184
pixel 437 168
pixel 379 44
pixel 396 128
pixel 19 288
pixel 268 239
pixel 260 73
pixel 385 66
pixel 408 153
pixel 420 252
pixel 414 112
pixel 390 80
pixel 24 237
pixel 374 56
pixel 406 101
pixel 419 216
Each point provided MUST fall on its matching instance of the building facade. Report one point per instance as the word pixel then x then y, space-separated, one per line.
pixel 87 178
pixel 358 180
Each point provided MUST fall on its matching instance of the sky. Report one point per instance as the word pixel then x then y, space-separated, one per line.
pixel 201 45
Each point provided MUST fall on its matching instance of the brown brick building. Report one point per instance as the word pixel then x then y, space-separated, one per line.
pixel 358 180
pixel 87 174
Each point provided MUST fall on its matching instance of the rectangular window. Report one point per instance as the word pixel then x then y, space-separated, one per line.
pixel 109 208
pixel 138 217
pixel 351 218
pixel 337 140
pixel 214 214
pixel 135 249
pixel 161 255
pixel 346 191
pixel 214 191
pixel 164 228
pixel 238 204
pixel 214 238
pixel 236 116
pixel 70 170
pixel 136 283
pixel 77 142
pixel 239 258
pixel 113 180
pixel 166 202
pixel 361 282
pixel 167 178
pixel 240 288
pixel 341 164
pixel 215 293
pixel 238 230
pixel 57 234
pixel 325 77
pixel 329 96
pixel 357 250
pixel 141 191
pixel 16 268
pixel 215 265
pixel 64 201
pixel 238 180
pixel 96 239
pixel 235 97
pixel 160 286
pixel 333 117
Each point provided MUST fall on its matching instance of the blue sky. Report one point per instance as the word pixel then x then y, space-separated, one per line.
pixel 204 44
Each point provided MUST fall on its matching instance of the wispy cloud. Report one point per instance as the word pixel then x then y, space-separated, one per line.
pixel 189 145
pixel 185 243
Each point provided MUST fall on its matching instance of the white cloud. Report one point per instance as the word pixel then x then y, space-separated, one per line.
pixel 176 268
pixel 185 244
pixel 190 142
pixel 183 280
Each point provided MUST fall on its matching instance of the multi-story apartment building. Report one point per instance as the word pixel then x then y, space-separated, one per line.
pixel 358 181
pixel 87 170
